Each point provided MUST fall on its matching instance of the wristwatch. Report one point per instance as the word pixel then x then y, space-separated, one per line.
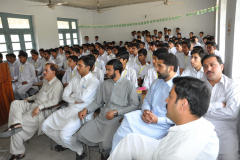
pixel 115 113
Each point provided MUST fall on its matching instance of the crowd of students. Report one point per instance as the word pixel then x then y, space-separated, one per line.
pixel 190 110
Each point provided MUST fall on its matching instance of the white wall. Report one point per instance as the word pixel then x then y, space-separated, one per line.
pixel 136 13
pixel 45 19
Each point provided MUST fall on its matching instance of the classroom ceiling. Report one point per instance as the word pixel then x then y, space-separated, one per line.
pixel 92 4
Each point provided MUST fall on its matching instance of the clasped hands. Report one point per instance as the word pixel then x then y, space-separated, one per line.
pixel 83 113
pixel 148 117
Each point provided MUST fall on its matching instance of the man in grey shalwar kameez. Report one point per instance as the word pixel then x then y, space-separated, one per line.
pixel 120 97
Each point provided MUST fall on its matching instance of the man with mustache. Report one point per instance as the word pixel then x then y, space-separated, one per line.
pixel 224 106
pixel 25 117
pixel 119 96
pixel 151 120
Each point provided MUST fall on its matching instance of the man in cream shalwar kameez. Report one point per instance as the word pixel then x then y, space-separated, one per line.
pixel 30 115
pixel 79 93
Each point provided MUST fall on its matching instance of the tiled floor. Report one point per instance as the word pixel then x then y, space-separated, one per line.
pixel 38 148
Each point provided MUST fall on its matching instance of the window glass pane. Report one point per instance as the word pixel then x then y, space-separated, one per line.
pixel 18 23
pixel 60 36
pixel 16 53
pixel 16 46
pixel 15 38
pixel 28 45
pixel 4 56
pixel 27 37
pixel 75 41
pixel 73 25
pixel 61 43
pixel 63 24
pixel 1 23
pixel 2 39
pixel 68 36
pixel 74 35
pixel 69 42
pixel 3 48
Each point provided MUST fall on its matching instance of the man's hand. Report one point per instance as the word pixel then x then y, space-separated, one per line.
pixel 12 78
pixel 110 115
pixel 181 70
pixel 78 102
pixel 224 105
pixel 148 117
pixel 41 78
pixel 25 82
pixel 82 114
pixel 65 85
pixel 26 99
pixel 35 112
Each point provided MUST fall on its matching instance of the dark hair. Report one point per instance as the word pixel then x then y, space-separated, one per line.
pixel 68 52
pixel 159 51
pixel 1 56
pixel 179 43
pixel 117 65
pixel 95 52
pixel 149 36
pixel 212 55
pixel 212 43
pixel 77 50
pixel 200 52
pixel 61 47
pixel 41 50
pixel 143 51
pixel 122 49
pixel 92 57
pixel 201 32
pixel 136 45
pixel 34 52
pixel 12 55
pixel 166 36
pixel 197 47
pixel 47 51
pixel 172 41
pixel 166 45
pixel 160 32
pixel 23 54
pixel 153 43
pixel 87 61
pixel 96 37
pixel 53 50
pixel 123 55
pixel 109 47
pixel 100 46
pixel 53 67
pixel 187 43
pixel 177 28
pixel 74 58
pixel 192 33
pixel 195 91
pixel 169 30
pixel 179 34
pixel 169 60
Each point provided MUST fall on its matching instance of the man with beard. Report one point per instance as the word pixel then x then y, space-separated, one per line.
pixel 151 121
pixel 119 96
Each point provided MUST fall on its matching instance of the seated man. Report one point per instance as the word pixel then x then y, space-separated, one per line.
pixel 13 67
pixel 98 73
pixel 152 74
pixel 224 106
pixel 184 58
pixel 127 72
pixel 65 60
pixel 79 93
pixel 47 59
pixel 151 121
pixel 25 118
pixel 120 97
pixel 71 71
pixel 211 48
pixel 56 59
pixel 98 62
pixel 195 69
pixel 193 137
pixel 25 79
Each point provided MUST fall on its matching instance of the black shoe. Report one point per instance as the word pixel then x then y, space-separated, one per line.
pixel 80 157
pixel 17 157
pixel 102 157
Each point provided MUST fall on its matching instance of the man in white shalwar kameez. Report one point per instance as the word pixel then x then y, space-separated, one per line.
pixel 25 117
pixel 79 93
pixel 193 137
pixel 224 106
pixel 154 104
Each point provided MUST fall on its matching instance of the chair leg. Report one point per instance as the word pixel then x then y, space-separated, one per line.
pixel 88 152
pixel 51 146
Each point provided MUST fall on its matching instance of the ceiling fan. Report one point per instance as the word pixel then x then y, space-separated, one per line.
pixel 52 5
pixel 166 2
pixel 98 8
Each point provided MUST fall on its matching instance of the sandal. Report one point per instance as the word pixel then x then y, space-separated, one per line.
pixel 11 131
pixel 59 148
pixel 17 157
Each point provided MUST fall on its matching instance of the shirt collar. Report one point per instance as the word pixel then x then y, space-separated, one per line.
pixel 87 77
pixel 118 81
pixel 24 64
pixel 74 69
pixel 52 80
pixel 170 82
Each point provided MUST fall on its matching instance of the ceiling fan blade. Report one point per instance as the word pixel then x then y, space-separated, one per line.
pixel 159 5
pixel 176 2
pixel 105 9
pixel 37 5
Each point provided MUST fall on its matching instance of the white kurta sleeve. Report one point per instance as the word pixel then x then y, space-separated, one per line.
pixel 32 73
pixel 68 91
pixel 133 78
pixel 64 79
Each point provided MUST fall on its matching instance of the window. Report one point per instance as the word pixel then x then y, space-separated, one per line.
pixel 67 31
pixel 16 33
